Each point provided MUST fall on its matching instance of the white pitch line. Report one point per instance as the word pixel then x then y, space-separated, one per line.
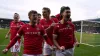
pixel 90 45
pixel 3 45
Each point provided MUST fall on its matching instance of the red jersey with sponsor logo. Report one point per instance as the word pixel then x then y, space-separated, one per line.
pixel 65 34
pixel 46 24
pixel 14 27
pixel 32 38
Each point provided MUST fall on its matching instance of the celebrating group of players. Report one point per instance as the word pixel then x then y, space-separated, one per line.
pixel 42 37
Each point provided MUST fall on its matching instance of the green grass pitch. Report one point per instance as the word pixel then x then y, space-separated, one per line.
pixel 83 50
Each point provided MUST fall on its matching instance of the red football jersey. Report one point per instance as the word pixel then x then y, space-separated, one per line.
pixel 32 38
pixel 46 24
pixel 65 34
pixel 14 27
pixel 58 17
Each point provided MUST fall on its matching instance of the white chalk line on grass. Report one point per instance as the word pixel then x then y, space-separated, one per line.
pixel 90 45
pixel 3 45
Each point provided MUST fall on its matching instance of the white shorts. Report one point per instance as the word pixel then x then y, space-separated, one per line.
pixel 32 55
pixel 16 47
pixel 46 49
pixel 68 52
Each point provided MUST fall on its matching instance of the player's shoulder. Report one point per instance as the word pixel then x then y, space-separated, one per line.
pixel 58 16
pixel 54 19
pixel 42 19
pixel 12 22
pixel 25 25
pixel 40 26
pixel 21 22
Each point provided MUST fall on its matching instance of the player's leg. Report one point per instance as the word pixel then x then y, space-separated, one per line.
pixel 70 52
pixel 59 53
pixel 15 49
pixel 47 50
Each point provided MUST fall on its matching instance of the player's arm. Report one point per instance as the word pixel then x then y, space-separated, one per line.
pixel 55 35
pixel 47 40
pixel 45 37
pixel 14 40
pixel 7 35
pixel 55 42
pixel 51 27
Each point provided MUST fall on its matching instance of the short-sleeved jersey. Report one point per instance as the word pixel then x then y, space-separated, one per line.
pixel 46 24
pixel 65 34
pixel 32 38
pixel 14 27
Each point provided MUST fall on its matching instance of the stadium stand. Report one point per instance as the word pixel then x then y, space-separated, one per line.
pixel 4 22
pixel 91 24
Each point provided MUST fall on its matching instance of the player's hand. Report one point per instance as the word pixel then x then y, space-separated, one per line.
pixel 77 44
pixel 62 48
pixel 7 36
pixel 5 51
pixel 53 48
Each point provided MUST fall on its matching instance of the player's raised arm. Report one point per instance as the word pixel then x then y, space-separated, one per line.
pixel 11 44
pixel 51 27
pixel 13 41
pixel 55 34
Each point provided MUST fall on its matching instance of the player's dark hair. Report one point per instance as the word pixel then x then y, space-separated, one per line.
pixel 16 13
pixel 63 8
pixel 39 14
pixel 32 12
pixel 46 8
pixel 53 16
